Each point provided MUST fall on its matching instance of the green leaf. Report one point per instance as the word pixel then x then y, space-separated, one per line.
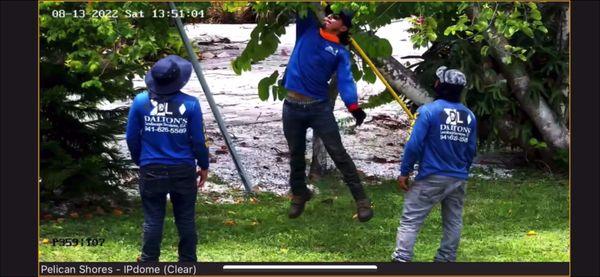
pixel 515 14
pixel 431 23
pixel 511 31
pixel 528 31
pixel 484 50
pixel 449 30
pixel 369 76
pixel 94 66
pixel 356 72
pixel 481 25
pixel 382 48
pixel 235 67
pixel 431 36
pixel 263 89
pixel 281 92
pixel 95 82
pixel 303 13
pixel 507 59
pixel 478 38
pixel 535 14
pixel 265 83
pixel 542 29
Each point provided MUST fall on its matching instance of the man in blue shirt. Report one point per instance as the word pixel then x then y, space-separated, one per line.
pixel 443 143
pixel 165 137
pixel 319 52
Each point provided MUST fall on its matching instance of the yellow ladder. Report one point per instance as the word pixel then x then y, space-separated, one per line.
pixel 365 58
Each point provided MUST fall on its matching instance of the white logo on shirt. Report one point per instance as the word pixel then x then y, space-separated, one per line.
pixel 455 128
pixel 182 109
pixel 160 109
pixel 331 50
pixel 454 117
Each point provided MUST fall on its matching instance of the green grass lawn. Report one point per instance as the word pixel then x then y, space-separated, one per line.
pixel 497 217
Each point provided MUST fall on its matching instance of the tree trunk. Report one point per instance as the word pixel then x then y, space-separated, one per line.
pixel 403 80
pixel 563 28
pixel 321 164
pixel 563 37
pixel 553 130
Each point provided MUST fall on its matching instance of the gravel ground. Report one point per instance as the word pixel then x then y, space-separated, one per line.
pixel 255 126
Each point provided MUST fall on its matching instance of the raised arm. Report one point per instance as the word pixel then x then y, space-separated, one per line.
pixel 310 21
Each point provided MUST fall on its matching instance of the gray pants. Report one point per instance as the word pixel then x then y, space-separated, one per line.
pixel 418 202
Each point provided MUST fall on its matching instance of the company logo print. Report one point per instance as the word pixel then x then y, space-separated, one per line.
pixel 160 109
pixel 182 109
pixel 454 117
pixel 331 50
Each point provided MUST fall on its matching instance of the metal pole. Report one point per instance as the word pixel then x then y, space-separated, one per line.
pixel 212 103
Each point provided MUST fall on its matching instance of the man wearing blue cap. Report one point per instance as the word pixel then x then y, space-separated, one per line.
pixel 165 137
pixel 443 143
pixel 319 52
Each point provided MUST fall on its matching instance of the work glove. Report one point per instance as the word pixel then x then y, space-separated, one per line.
pixel 359 115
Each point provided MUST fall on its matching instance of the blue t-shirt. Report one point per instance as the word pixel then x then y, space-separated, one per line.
pixel 168 132
pixel 314 60
pixel 443 141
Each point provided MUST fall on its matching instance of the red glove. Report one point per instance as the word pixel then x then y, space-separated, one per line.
pixel 357 113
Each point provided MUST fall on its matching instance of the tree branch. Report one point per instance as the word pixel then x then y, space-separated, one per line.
pixel 552 129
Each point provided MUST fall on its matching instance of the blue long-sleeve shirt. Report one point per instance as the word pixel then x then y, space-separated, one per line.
pixel 166 133
pixel 443 141
pixel 314 60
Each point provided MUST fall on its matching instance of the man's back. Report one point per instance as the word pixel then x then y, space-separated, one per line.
pixel 449 139
pixel 171 131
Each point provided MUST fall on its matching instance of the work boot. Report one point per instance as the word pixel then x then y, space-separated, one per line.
pixel 297 204
pixel 364 210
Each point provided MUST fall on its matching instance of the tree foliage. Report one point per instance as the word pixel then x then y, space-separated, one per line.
pixel 456 37
pixel 530 33
pixel 87 63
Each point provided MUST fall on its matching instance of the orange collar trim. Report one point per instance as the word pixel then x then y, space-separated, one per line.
pixel 328 36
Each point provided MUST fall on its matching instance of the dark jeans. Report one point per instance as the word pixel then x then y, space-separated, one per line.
pixel 318 116
pixel 179 181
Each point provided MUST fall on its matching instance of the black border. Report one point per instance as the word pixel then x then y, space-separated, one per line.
pixel 585 103
pixel 384 269
pixel 19 143
pixel 19 146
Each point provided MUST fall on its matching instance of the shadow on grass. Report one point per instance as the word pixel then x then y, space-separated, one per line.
pixel 497 217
